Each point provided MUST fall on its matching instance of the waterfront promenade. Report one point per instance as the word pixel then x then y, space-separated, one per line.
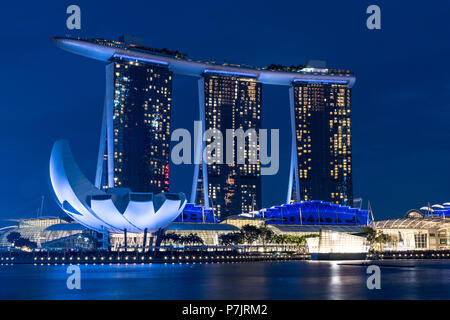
pixel 153 255
pixel 188 255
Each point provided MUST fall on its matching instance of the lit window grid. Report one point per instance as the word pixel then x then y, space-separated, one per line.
pixel 243 98
pixel 156 118
pixel 334 99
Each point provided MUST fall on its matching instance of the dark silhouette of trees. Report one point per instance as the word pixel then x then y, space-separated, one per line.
pixel 190 239
pixel 171 237
pixel 229 239
pixel 250 233
pixel 17 241
pixel 13 237
pixel 265 235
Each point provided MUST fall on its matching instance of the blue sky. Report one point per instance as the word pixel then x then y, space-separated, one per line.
pixel 401 111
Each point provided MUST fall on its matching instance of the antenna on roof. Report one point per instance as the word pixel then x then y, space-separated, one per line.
pixel 430 209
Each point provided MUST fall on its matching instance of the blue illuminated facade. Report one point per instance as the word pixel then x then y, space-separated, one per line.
pixel 315 213
pixel 439 214
pixel 436 211
pixel 193 213
pixel 298 213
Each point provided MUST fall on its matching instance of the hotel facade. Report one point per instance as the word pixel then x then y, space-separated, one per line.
pixel 231 102
pixel 323 146
pixel 135 140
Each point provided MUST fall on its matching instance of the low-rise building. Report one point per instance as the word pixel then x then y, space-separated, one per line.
pixel 49 232
pixel 416 233
pixel 208 232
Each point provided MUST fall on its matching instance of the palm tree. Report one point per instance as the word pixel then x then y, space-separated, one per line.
pixel 377 238
pixel 250 233
pixel 191 239
pixel 171 237
pixel 229 239
pixel 266 235
pixel 13 237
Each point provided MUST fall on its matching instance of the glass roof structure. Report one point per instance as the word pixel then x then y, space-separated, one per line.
pixel 413 223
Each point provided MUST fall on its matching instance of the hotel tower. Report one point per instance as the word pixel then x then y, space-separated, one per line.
pixel 322 148
pixel 230 102
pixel 134 147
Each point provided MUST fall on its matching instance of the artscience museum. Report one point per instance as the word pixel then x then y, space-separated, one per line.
pixel 115 210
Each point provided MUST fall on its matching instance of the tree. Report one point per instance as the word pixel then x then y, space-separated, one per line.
pixel 196 239
pixel 250 233
pixel 13 237
pixel 17 241
pixel 377 238
pixel 192 239
pixel 171 237
pixel 291 239
pixel 228 239
pixel 23 242
pixel 265 234
pixel 225 239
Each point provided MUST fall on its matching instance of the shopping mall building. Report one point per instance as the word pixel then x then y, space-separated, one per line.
pixel 417 231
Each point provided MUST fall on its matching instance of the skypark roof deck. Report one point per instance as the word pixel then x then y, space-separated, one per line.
pixel 105 50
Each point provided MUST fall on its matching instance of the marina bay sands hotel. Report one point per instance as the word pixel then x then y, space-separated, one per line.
pixel 135 139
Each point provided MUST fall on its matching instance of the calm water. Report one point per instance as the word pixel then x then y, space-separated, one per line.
pixel 282 280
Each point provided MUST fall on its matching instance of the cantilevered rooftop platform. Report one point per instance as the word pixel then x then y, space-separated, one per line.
pixel 104 50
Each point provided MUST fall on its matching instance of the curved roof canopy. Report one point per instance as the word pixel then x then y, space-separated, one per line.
pixel 314 213
pixel 413 223
pixel 115 210
pixel 105 50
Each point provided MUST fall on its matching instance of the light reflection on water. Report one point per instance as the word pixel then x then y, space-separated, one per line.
pixel 258 280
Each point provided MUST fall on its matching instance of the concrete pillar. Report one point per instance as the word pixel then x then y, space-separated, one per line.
pixel 199 147
pixel 101 153
pixel 125 238
pixel 109 99
pixel 293 171
pixel 145 240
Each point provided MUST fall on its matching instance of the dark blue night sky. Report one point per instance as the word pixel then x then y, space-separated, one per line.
pixel 401 100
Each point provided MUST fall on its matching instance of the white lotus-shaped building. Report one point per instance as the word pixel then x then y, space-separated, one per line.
pixel 118 209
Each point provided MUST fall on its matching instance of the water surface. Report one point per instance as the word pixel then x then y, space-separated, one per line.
pixel 255 280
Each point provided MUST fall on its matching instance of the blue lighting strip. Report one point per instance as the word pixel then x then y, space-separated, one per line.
pixel 144 60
